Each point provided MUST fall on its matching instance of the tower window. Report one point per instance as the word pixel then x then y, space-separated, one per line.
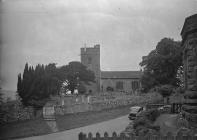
pixel 89 60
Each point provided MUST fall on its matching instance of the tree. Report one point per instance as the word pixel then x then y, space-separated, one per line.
pixel 37 85
pixel 1 97
pixel 76 74
pixel 166 91
pixel 161 65
pixel 82 88
pixel 19 84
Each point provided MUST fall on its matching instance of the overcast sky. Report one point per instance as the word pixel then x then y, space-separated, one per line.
pixel 45 31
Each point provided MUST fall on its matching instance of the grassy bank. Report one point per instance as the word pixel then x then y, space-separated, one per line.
pixel 24 129
pixel 83 119
pixel 66 122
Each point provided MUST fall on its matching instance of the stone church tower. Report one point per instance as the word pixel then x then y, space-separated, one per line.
pixel 119 81
pixel 90 57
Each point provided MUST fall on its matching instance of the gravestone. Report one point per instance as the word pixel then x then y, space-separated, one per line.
pixel 49 113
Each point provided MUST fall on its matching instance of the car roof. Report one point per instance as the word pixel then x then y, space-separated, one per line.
pixel 135 109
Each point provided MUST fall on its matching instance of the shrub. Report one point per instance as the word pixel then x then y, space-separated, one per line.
pixel 179 90
pixel 141 121
pixel 109 89
pixel 165 90
pixel 144 122
pixel 152 114
pixel 82 88
pixel 143 125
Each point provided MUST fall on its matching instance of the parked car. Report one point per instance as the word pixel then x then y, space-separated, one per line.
pixel 165 108
pixel 135 111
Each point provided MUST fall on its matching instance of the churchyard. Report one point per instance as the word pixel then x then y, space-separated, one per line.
pixel 154 123
pixel 108 107
pixel 163 93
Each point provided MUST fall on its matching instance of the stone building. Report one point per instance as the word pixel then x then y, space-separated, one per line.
pixel 124 81
pixel 189 43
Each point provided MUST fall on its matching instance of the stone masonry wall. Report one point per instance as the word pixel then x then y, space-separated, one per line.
pixel 108 104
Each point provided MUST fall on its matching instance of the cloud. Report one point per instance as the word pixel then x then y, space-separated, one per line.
pixel 44 31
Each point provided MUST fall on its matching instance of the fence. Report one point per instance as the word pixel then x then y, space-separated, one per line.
pixel 149 136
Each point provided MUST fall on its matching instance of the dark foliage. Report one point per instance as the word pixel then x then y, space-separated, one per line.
pixel 36 85
pixel 152 114
pixel 165 90
pixel 76 74
pixel 109 89
pixel 144 122
pixel 162 65
pixel 82 88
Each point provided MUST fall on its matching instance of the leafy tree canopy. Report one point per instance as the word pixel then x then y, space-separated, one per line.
pixel 161 64
pixel 76 74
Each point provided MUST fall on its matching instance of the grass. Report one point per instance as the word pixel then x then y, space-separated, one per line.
pixel 24 129
pixel 86 118
pixel 167 123
pixel 39 127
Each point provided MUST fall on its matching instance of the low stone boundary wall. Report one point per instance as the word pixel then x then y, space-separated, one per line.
pixel 83 107
pixel 15 111
pixel 98 106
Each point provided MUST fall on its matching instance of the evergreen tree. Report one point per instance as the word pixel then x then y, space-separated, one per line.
pixel 36 85
pixel 19 83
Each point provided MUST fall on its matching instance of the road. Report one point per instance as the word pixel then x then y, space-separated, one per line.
pixel 117 125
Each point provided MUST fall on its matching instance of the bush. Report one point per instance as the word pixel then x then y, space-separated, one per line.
pixel 152 114
pixel 179 90
pixel 109 89
pixel 144 123
pixel 165 90
pixel 141 121
pixel 81 89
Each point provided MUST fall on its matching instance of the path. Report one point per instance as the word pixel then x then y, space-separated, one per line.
pixel 167 123
pixel 117 125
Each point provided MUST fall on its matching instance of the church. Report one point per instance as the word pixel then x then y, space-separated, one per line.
pixel 120 81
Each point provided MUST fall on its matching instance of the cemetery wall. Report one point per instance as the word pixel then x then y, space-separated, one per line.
pixel 106 104
pixel 15 111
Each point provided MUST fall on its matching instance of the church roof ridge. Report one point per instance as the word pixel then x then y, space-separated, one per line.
pixel 121 74
pixel 121 71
